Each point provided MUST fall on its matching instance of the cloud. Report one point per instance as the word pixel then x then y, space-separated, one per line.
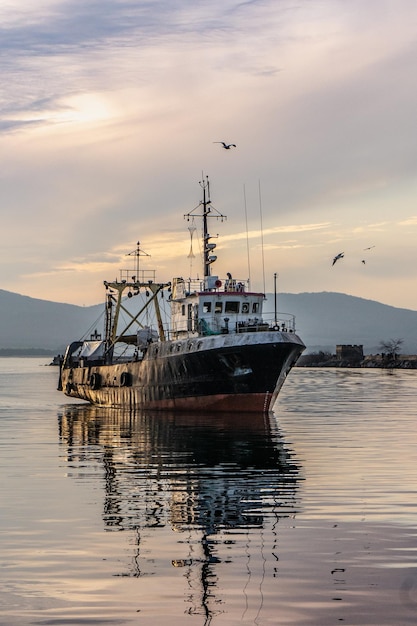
pixel 8 125
pixel 110 110
pixel 63 49
pixel 411 221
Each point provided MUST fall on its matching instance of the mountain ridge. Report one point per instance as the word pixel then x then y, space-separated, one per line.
pixel 323 319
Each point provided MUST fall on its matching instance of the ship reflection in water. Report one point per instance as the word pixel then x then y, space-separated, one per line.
pixel 203 493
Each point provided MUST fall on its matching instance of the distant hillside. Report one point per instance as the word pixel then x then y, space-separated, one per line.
pixel 322 319
pixel 31 323
pixel 326 319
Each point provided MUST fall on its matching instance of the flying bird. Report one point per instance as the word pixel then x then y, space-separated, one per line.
pixel 370 248
pixel 337 257
pixel 363 261
pixel 226 146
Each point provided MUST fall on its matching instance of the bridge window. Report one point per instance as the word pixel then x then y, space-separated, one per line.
pixel 206 307
pixel 245 307
pixel 255 307
pixel 231 307
pixel 218 307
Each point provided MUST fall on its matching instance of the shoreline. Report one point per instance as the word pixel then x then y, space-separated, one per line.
pixel 377 361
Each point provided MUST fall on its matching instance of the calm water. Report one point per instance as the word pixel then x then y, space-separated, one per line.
pixel 306 517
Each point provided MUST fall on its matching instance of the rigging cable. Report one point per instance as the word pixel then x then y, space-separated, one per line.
pixel 247 234
pixel 89 331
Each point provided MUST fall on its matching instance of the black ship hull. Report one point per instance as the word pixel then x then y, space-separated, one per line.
pixel 241 372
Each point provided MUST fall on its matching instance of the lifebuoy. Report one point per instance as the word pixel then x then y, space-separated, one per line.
pixel 126 379
pixel 95 380
pixel 218 284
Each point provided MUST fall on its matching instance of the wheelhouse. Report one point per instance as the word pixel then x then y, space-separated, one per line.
pixel 225 307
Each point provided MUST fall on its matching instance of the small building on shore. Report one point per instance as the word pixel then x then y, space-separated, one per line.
pixel 350 353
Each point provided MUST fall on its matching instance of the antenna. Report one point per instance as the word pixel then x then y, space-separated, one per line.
pixel 275 299
pixel 247 234
pixel 137 253
pixel 262 234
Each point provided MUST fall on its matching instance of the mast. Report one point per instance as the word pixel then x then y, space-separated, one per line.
pixel 131 283
pixel 207 211
pixel 206 236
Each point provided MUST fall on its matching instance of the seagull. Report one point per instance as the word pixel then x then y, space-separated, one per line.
pixel 337 257
pixel 363 261
pixel 226 146
pixel 370 248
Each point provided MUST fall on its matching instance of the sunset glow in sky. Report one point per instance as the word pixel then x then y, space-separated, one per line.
pixel 110 108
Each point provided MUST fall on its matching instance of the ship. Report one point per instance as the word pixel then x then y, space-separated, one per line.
pixel 196 344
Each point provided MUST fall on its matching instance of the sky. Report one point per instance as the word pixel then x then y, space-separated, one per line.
pixel 109 111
